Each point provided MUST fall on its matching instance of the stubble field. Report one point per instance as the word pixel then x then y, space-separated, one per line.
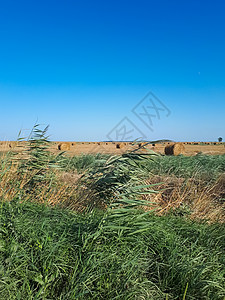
pixel 76 148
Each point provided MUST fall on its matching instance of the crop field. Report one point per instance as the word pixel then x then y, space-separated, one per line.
pixel 101 221
pixel 74 148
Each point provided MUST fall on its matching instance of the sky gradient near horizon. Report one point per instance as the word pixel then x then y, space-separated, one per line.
pixel 82 66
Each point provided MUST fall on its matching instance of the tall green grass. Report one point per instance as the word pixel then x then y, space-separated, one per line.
pixel 82 162
pixel 44 254
pixel 201 166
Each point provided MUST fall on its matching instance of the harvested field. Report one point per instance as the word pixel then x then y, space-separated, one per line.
pixel 74 148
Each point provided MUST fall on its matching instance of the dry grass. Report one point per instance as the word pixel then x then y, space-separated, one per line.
pixel 200 201
pixel 61 189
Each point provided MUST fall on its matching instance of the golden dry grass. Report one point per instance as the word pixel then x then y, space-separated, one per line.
pixel 203 201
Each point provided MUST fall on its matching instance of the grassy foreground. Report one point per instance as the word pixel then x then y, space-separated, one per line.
pixel 47 253
pixel 111 227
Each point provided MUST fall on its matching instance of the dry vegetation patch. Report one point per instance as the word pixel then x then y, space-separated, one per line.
pixel 194 197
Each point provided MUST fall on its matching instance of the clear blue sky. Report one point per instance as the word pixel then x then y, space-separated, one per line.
pixel 82 66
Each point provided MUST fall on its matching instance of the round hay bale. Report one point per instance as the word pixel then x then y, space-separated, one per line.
pixel 73 144
pixel 64 146
pixel 12 145
pixel 174 149
pixel 140 145
pixel 119 145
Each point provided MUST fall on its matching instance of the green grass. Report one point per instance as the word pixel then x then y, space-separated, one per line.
pixel 204 167
pixel 82 162
pixel 44 254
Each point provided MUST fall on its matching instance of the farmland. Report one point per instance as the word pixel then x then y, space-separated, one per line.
pixel 76 148
pixel 115 223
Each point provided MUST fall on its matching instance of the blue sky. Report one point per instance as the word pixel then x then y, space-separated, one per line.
pixel 81 66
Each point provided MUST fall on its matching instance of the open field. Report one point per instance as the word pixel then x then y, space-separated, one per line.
pixel 103 226
pixel 74 148
pixel 124 197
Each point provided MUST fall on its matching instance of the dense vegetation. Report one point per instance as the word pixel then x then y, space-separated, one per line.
pixel 91 227
pixel 47 253
pixel 206 167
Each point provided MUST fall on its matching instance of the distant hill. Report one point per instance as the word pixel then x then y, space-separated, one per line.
pixel 154 142
pixel 162 141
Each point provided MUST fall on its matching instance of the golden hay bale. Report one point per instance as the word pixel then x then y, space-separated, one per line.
pixel 174 149
pixel 120 145
pixel 73 144
pixel 64 146
pixel 140 145
pixel 12 145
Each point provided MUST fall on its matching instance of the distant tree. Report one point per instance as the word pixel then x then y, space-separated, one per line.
pixel 220 139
